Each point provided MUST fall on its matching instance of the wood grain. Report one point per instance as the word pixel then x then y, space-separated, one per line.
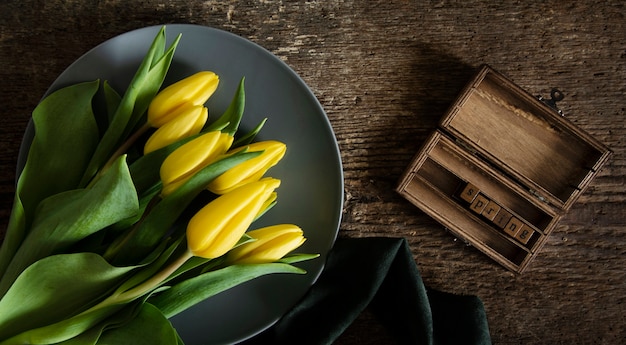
pixel 385 72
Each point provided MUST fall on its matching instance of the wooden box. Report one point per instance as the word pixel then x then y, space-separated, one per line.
pixel 502 169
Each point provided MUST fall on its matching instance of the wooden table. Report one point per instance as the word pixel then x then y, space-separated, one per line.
pixel 385 72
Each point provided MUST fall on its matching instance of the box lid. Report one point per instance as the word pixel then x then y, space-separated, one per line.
pixel 525 138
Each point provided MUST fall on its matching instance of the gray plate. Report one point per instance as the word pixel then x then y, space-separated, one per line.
pixel 311 193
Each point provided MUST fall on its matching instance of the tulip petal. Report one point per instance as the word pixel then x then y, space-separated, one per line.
pixel 188 123
pixel 193 90
pixel 218 226
pixel 271 244
pixel 185 159
pixel 251 170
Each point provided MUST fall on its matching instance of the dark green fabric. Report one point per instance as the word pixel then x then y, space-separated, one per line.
pixel 380 273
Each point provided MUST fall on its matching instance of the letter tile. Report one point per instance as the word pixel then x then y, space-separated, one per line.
pixel 469 193
pixel 491 210
pixel 514 226
pixel 502 218
pixel 479 204
pixel 524 235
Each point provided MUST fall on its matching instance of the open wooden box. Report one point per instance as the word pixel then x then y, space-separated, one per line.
pixel 502 169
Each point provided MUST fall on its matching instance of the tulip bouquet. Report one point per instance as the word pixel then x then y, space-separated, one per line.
pixel 129 212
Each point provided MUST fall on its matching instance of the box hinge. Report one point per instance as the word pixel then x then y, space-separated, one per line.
pixel 555 96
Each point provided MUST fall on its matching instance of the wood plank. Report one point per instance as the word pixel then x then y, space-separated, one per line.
pixel 386 72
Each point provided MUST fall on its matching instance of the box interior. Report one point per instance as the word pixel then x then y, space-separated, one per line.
pixel 518 133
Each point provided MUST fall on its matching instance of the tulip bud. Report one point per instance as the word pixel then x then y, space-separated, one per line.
pixel 192 157
pixel 188 123
pixel 250 170
pixel 219 225
pixel 191 91
pixel 271 243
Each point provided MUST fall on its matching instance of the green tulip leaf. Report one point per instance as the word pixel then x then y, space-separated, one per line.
pixel 66 218
pixel 249 137
pixel 194 290
pixel 153 265
pixel 112 100
pixel 180 340
pixel 145 201
pixel 149 327
pixel 66 135
pixel 231 118
pixel 298 257
pixel 142 88
pixel 14 235
pixel 56 288
pixel 91 336
pixel 145 170
pixel 66 329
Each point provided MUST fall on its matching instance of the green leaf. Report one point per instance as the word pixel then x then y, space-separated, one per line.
pixel 249 137
pixel 64 219
pixel 145 201
pixel 55 288
pixel 91 335
pixel 152 83
pixel 14 235
pixel 298 257
pixel 112 100
pixel 66 135
pixel 230 119
pixel 144 85
pixel 153 266
pixel 149 327
pixel 194 290
pixel 180 340
pixel 65 329
pixel 153 228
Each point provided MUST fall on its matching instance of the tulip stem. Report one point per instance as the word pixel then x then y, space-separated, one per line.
pixel 155 280
pixel 128 296
pixel 121 150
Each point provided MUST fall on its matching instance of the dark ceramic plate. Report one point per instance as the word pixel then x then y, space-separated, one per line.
pixel 311 193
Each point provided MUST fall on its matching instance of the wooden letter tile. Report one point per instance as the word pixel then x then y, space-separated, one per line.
pixel 479 204
pixel 469 193
pixel 524 235
pixel 491 210
pixel 502 218
pixel 514 226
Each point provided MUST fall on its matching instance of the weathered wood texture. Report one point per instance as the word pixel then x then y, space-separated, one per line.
pixel 385 71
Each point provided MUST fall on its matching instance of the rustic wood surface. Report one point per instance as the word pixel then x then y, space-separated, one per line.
pixel 385 71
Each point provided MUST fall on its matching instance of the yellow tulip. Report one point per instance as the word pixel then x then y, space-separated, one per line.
pixel 188 123
pixel 268 203
pixel 192 157
pixel 191 91
pixel 219 225
pixel 271 244
pixel 250 170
